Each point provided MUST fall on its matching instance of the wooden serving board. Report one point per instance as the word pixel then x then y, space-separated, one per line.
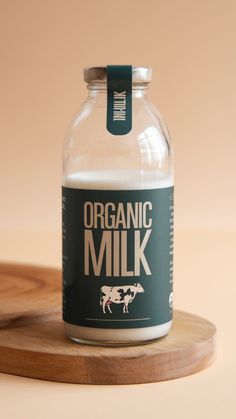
pixel 33 344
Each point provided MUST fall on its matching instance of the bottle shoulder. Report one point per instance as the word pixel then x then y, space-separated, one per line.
pixel 89 126
pixel 88 144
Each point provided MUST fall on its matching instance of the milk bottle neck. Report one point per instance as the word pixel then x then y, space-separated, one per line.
pixel 99 90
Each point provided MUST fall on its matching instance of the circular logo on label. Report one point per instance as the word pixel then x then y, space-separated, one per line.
pixel 171 300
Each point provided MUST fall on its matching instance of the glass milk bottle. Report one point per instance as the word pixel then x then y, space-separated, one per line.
pixel 117 213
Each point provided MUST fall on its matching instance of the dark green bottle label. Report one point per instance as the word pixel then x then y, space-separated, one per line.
pixel 117 257
pixel 119 99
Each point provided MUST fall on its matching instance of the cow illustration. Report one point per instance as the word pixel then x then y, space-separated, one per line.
pixel 118 295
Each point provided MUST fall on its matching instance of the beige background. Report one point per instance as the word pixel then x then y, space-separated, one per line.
pixel 191 47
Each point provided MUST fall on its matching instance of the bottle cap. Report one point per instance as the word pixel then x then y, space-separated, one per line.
pixel 99 74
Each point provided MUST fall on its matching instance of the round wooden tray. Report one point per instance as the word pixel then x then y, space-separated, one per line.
pixel 33 344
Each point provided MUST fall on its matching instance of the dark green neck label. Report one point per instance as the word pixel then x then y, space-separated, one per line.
pixel 117 257
pixel 119 99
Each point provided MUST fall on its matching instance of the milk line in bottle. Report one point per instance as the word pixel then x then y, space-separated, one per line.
pixel 117 213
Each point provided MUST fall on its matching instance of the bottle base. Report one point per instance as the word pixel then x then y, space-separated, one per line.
pixel 115 337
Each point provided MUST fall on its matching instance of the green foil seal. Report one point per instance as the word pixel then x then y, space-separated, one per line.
pixel 119 99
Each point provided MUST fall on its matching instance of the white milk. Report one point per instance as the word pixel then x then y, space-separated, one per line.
pixel 119 180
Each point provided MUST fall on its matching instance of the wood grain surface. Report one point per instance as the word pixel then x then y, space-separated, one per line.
pixel 33 343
